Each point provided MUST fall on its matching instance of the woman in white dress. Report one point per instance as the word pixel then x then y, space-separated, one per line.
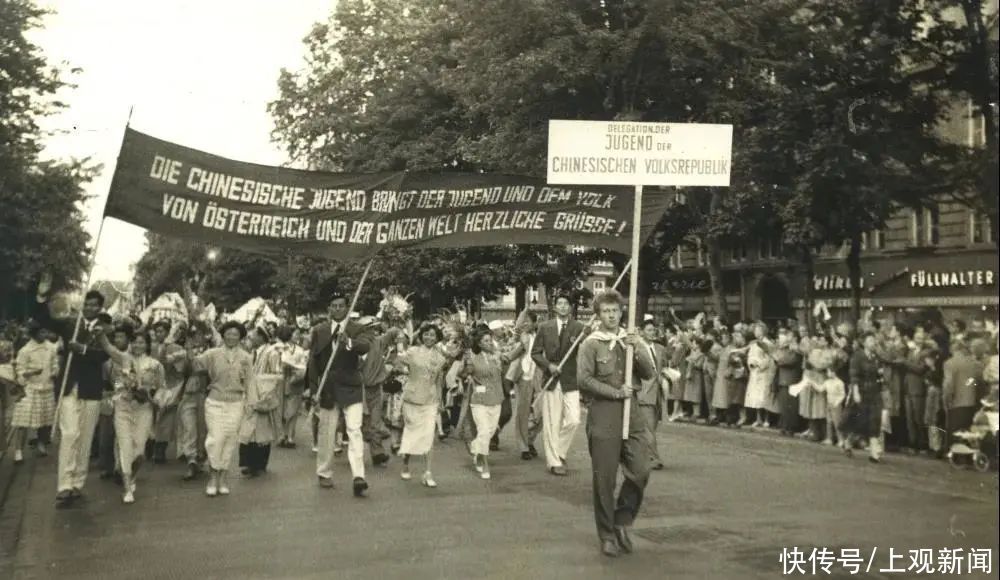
pixel 484 367
pixel 760 395
pixel 425 366
pixel 135 375
pixel 36 366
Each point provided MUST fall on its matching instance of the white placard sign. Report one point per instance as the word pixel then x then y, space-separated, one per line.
pixel 626 153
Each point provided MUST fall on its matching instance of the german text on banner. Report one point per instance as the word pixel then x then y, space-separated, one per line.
pixel 181 192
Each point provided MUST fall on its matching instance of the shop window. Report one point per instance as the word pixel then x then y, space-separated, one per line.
pixel 926 226
pixel 979 228
pixel 533 296
pixel 598 286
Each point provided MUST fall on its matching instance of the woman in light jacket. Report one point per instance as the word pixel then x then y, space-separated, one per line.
pixel 425 366
pixel 36 366
pixel 484 368
pixel 261 420
pixel 760 395
pixel 229 369
pixel 135 375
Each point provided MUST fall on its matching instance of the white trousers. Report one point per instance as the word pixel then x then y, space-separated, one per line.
pixel 487 418
pixel 560 418
pixel 222 439
pixel 77 422
pixel 328 420
pixel 133 424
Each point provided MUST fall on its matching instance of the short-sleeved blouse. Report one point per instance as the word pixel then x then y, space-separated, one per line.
pixel 229 370
pixel 426 367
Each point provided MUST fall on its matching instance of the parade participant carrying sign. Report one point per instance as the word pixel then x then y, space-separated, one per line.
pixel 601 372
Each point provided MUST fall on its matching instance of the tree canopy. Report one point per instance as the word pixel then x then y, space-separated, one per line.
pixel 41 225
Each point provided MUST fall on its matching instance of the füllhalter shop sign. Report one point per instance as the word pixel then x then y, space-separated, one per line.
pixel 955 279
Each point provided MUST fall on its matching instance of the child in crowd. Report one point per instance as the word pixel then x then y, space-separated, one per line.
pixel 835 392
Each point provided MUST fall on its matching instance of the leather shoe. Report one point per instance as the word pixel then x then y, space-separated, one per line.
pixel 380 459
pixel 657 467
pixel 558 470
pixel 624 540
pixel 527 456
pixel 610 548
pixel 326 483
pixel 532 451
pixel 360 487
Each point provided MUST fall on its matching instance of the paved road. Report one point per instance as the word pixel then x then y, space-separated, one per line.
pixel 724 508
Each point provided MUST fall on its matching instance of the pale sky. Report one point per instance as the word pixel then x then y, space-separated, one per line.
pixel 196 72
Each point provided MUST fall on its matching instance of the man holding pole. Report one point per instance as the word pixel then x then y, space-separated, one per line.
pixel 334 373
pixel 82 388
pixel 601 373
pixel 561 398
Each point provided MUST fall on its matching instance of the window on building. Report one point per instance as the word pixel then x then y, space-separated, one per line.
pixel 676 263
pixel 873 241
pixel 740 253
pixel 977 126
pixel 533 295
pixel 702 257
pixel 598 286
pixel 769 248
pixel 926 226
pixel 979 228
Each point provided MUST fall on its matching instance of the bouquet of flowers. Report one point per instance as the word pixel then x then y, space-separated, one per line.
pixel 395 309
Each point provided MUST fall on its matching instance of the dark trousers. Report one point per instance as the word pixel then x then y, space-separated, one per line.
pixel 957 419
pixel 106 443
pixel 373 427
pixel 607 452
pixel 255 456
pixel 506 412
pixel 789 405
pixel 916 431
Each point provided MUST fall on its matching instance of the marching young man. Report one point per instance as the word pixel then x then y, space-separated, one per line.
pixel 601 374
pixel 81 399
pixel 561 400
pixel 342 392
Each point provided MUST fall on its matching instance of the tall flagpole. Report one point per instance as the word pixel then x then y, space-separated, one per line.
pixel 90 275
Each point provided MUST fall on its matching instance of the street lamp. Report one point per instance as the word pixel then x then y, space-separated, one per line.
pixel 212 254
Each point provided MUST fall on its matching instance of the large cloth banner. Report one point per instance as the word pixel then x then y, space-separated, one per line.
pixel 181 192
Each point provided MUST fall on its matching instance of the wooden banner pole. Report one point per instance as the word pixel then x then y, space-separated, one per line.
pixel 336 341
pixel 633 301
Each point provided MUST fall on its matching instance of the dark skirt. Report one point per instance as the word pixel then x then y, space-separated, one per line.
pixel 863 419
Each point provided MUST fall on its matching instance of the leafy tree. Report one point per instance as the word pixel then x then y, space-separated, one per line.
pixel 853 134
pixel 41 223
pixel 970 58
pixel 374 97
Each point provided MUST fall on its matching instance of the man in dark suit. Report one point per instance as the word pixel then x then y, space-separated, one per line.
pixel 343 390
pixel 80 407
pixel 561 399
